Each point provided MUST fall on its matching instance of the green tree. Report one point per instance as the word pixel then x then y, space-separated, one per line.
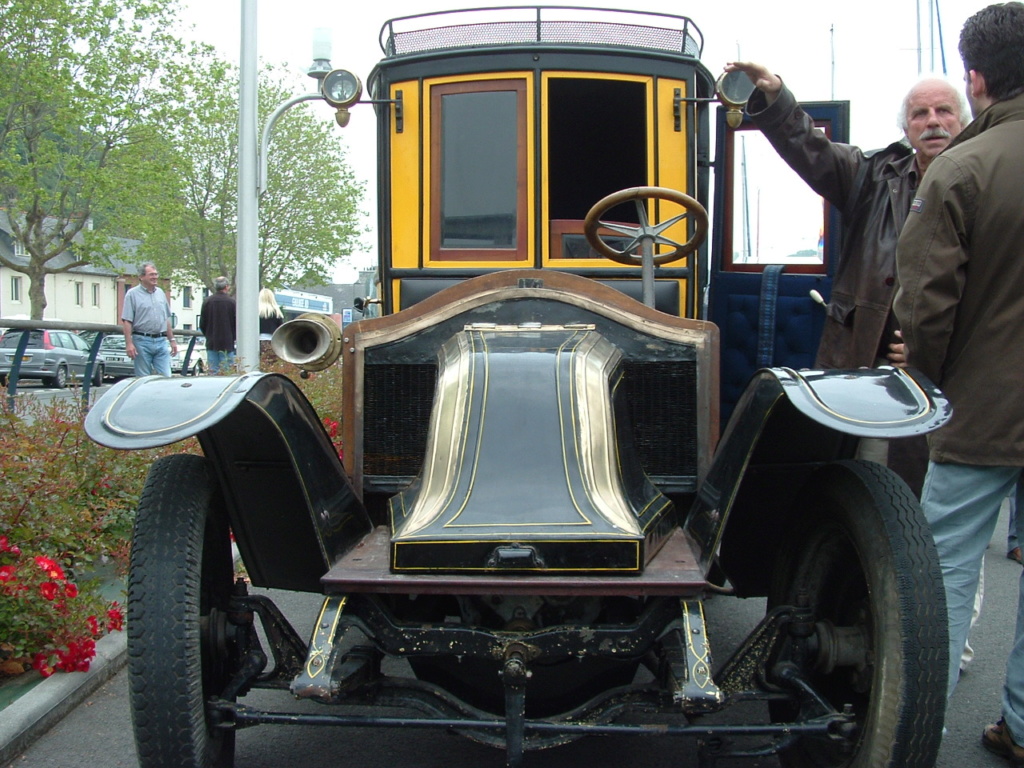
pixel 309 216
pixel 78 77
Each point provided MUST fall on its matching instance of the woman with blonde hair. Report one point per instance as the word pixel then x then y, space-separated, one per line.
pixel 271 317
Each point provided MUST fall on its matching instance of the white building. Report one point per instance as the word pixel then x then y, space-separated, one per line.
pixel 89 294
pixel 95 294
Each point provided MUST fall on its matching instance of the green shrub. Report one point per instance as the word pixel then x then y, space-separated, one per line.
pixel 66 509
pixel 68 506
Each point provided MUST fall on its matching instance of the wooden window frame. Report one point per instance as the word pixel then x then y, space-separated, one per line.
pixel 728 265
pixel 521 250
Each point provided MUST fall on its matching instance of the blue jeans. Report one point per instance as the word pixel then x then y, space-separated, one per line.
pixel 220 361
pixel 154 355
pixel 962 503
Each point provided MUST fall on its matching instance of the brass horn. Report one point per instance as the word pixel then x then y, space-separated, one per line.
pixel 311 341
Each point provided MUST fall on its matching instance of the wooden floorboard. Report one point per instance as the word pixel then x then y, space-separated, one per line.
pixel 367 568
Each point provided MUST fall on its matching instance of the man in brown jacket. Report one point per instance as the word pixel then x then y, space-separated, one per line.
pixel 960 263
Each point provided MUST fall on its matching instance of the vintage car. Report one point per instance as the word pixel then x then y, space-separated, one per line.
pixel 574 420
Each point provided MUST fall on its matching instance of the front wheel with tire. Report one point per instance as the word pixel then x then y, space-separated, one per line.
pixel 860 559
pixel 97 375
pixel 179 590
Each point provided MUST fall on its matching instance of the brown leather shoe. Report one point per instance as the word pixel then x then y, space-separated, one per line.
pixel 1014 554
pixel 996 739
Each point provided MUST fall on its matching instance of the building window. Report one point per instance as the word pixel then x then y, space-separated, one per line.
pixel 95 294
pixel 186 297
pixel 16 289
pixel 19 248
pixel 79 294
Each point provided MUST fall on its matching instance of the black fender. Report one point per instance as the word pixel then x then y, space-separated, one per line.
pixel 787 425
pixel 293 510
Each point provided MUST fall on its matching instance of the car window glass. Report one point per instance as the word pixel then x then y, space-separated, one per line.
pixel 11 339
pixel 113 343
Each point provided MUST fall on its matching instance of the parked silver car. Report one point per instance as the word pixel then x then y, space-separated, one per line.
pixel 53 356
pixel 115 356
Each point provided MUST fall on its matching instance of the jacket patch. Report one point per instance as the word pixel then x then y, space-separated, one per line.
pixel 918 205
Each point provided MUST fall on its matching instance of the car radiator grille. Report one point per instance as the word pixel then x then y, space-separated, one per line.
pixel 661 397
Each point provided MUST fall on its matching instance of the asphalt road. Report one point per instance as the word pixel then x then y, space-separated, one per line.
pixel 98 733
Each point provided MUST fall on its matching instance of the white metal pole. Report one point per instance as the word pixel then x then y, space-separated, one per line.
pixel 918 5
pixel 248 257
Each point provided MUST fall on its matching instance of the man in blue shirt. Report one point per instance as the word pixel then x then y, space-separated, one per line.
pixel 146 320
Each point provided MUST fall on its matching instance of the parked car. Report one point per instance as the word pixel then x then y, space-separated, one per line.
pixel 117 363
pixel 52 356
pixel 197 360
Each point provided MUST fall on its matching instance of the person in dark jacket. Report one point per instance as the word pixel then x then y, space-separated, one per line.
pixel 873 192
pixel 271 316
pixel 960 262
pixel 217 322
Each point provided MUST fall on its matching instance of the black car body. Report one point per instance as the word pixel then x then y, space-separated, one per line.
pixel 552 454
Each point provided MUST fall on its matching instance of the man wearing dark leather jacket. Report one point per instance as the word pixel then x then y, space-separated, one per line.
pixel 873 192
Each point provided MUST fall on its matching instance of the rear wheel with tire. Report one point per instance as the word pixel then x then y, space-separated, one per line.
pixel 860 557
pixel 179 589
pixel 97 375
pixel 59 378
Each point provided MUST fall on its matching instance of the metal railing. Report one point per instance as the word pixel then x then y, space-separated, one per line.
pixel 100 329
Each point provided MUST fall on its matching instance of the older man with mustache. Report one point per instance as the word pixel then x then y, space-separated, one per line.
pixel 873 192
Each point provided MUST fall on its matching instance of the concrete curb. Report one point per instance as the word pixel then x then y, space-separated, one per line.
pixel 33 714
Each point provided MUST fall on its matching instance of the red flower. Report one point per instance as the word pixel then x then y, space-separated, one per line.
pixel 115 619
pixel 6 546
pixel 7 573
pixel 94 625
pixel 52 569
pixel 77 656
pixel 41 663
pixel 48 589
pixel 71 590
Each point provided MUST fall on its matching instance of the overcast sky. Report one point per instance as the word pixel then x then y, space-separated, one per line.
pixel 874 44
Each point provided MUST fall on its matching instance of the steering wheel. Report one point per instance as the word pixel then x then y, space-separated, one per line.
pixel 646 235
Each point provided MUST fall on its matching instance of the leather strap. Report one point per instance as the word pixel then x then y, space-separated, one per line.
pixel 766 315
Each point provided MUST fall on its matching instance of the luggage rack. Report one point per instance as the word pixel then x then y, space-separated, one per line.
pixel 537 24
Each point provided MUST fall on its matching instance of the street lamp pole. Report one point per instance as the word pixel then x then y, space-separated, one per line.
pixel 268 130
pixel 247 254
pixel 252 177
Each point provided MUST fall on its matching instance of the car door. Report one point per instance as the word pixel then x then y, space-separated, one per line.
pixel 82 351
pixel 75 356
pixel 774 255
